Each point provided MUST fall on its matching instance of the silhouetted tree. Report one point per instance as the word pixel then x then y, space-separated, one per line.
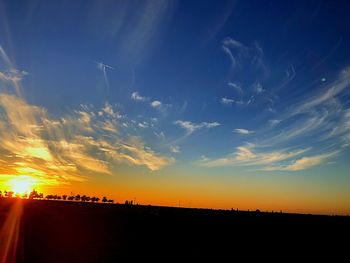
pixel 64 197
pixel 77 197
pixel 71 198
pixel 88 199
pixel 95 199
pixel 33 194
pixel 83 198
pixel 104 199
pixel 110 201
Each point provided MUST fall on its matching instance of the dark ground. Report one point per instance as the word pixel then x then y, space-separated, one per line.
pixel 57 231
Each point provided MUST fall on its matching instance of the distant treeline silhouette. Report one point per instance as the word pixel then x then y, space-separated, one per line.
pixel 40 196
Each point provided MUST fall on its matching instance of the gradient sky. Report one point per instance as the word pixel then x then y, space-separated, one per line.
pixel 220 104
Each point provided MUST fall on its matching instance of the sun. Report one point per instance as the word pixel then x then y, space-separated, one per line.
pixel 22 185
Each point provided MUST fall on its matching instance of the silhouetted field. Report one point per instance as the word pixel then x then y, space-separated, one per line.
pixel 57 231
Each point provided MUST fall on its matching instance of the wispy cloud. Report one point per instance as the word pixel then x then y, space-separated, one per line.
pixel 191 127
pixel 229 54
pixel 156 104
pixel 153 103
pixel 175 149
pixel 246 60
pixel 235 87
pixel 160 135
pixel 258 88
pixel 302 163
pixel 243 131
pixel 289 75
pixel 246 155
pixel 317 123
pixel 274 122
pixel 243 56
pixel 161 107
pixel 227 101
pixel 109 111
pixel 136 96
pixel 13 75
pixel 321 116
pixel 331 91
pixel 143 124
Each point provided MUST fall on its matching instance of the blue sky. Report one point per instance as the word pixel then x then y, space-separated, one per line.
pixel 222 88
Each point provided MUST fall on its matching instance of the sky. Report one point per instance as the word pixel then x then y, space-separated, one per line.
pixel 218 104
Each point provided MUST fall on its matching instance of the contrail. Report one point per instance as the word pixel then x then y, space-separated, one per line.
pixel 103 67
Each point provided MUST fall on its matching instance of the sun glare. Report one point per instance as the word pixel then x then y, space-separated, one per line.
pixel 22 185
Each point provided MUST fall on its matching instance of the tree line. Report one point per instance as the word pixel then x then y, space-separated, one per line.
pixel 40 196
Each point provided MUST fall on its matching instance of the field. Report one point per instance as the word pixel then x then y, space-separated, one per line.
pixel 57 231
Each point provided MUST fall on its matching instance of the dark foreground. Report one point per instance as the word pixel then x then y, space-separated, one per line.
pixel 56 231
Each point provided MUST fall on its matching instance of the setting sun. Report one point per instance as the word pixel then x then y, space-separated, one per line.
pixel 22 185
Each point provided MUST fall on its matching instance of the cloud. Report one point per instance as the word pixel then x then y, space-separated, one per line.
pixel 162 108
pixel 103 67
pixel 227 101
pixel 296 129
pixel 302 163
pixel 246 60
pixel 184 106
pixel 110 126
pixel 236 87
pixel 317 119
pixel 156 104
pixel 12 75
pixel 243 131
pixel 232 43
pixel 258 88
pixel 241 56
pixel 175 149
pixel 246 156
pixel 160 135
pixel 228 52
pixel 191 127
pixel 108 109
pixel 143 124
pixel 137 97
pixel 289 76
pixel 134 152
pixel 274 122
pixel 332 90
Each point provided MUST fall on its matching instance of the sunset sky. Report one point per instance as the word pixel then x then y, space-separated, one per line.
pixel 220 104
